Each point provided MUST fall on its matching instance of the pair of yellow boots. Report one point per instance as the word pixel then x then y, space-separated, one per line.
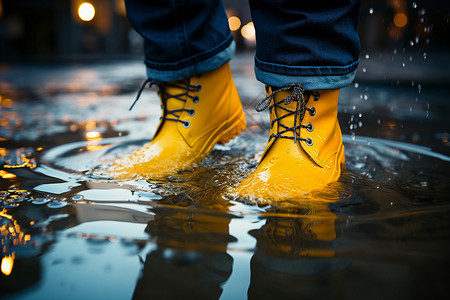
pixel 304 151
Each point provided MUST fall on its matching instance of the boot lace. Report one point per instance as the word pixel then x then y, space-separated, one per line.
pixel 297 95
pixel 162 91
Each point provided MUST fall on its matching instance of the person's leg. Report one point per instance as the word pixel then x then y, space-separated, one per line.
pixel 181 38
pixel 306 51
pixel 187 48
pixel 312 43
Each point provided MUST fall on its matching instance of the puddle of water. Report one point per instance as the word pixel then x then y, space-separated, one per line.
pixel 382 231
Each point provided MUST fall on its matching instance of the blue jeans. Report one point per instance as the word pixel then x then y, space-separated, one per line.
pixel 308 42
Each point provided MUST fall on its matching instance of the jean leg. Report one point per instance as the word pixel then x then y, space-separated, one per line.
pixel 314 43
pixel 181 38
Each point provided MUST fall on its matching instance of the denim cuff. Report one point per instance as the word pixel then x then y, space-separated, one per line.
pixel 192 66
pixel 310 77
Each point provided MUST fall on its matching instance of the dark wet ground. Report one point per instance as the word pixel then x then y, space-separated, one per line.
pixel 381 232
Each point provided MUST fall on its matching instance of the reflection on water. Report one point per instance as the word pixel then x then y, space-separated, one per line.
pixel 378 224
pixel 69 232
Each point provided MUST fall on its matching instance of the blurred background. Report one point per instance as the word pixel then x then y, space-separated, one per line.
pixel 78 29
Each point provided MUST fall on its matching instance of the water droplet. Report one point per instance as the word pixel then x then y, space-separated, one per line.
pixel 40 201
pixel 56 204
pixel 366 97
pixel 422 12
pixel 395 51
pixel 353 107
pixel 411 43
pixel 414 5
pixel 371 10
pixel 356 85
pixel 417 40
pixel 367 56
pixel 403 64
pixel 78 198
pixel 410 58
pixel 364 70
pixel 360 124
pixel 379 122
pixel 419 87
pixel 424 55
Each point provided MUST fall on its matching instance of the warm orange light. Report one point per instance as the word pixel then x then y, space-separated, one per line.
pixel 93 135
pixel 6 175
pixel 95 148
pixel 400 20
pixel 7 264
pixel 248 31
pixel 234 23
pixel 86 11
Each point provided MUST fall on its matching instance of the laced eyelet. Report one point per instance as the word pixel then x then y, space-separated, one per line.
pixel 191 112
pixel 195 99
pixel 309 127
pixel 316 96
pixel 312 111
pixel 198 87
pixel 309 142
pixel 186 124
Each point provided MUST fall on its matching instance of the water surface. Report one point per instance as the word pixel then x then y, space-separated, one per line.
pixel 382 231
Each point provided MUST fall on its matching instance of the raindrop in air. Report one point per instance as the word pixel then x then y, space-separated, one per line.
pixel 356 85
pixel 371 10
pixel 367 56
pixel 414 5
pixel 424 55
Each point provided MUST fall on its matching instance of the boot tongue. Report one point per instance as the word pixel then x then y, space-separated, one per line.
pixel 172 91
pixel 288 120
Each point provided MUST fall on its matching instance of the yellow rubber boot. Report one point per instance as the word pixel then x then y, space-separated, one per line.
pixel 198 113
pixel 304 152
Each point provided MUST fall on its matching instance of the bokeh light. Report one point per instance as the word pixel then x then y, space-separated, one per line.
pixel 234 23
pixel 248 31
pixel 86 11
pixel 400 20
pixel 7 264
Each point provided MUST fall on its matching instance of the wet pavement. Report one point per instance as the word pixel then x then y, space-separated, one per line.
pixel 383 231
